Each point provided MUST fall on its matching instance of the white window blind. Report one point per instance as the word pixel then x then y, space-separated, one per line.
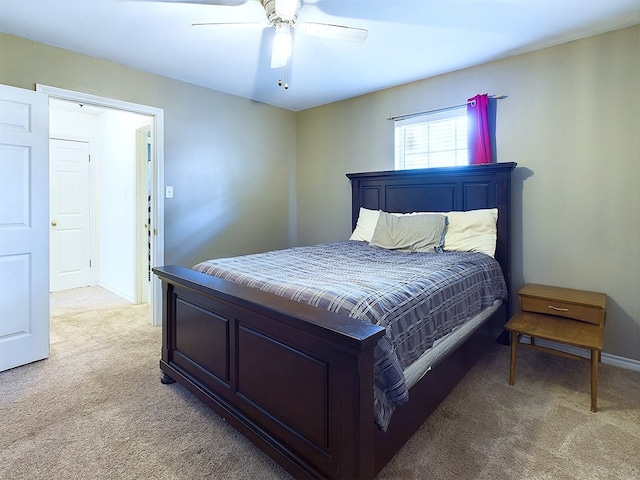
pixel 436 139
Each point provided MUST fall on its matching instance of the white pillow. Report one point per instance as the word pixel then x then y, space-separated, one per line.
pixel 472 231
pixel 366 225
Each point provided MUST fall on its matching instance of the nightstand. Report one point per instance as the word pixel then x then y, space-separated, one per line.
pixel 561 315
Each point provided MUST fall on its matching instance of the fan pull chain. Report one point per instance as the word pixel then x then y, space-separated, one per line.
pixel 286 78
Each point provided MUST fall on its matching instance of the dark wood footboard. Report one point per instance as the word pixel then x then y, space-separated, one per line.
pixel 294 379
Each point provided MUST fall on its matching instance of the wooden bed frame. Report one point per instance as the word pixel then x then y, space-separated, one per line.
pixel 297 380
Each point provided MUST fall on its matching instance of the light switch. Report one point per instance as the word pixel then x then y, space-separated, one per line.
pixel 168 192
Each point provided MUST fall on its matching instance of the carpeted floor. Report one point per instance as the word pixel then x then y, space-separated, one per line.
pixel 96 410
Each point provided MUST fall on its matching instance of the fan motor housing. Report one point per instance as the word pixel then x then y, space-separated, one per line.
pixel 276 17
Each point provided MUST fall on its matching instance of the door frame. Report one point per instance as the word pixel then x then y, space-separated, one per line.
pixel 142 204
pixel 157 174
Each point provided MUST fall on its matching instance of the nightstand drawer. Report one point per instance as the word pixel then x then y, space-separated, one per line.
pixel 563 302
pixel 562 309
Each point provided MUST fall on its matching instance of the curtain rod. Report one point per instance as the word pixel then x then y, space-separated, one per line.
pixel 437 110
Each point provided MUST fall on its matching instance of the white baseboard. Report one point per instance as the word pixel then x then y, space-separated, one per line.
pixel 607 358
pixel 117 291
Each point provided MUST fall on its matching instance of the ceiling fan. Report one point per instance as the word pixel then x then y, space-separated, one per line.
pixel 283 15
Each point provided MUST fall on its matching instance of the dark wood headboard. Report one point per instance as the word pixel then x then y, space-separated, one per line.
pixel 441 190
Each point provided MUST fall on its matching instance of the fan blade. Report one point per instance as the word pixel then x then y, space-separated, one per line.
pixel 339 32
pixel 215 3
pixel 232 24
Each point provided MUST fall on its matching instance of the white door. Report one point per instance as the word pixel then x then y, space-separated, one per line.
pixel 69 218
pixel 24 227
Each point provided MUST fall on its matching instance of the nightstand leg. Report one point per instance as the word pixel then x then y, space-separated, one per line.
pixel 514 347
pixel 594 380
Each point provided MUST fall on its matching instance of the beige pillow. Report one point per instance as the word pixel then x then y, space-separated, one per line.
pixel 367 220
pixel 410 233
pixel 472 231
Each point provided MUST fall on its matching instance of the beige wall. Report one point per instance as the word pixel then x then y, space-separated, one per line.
pixel 572 123
pixel 231 161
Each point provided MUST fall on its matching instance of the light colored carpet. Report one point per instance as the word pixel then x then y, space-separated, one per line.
pixel 96 410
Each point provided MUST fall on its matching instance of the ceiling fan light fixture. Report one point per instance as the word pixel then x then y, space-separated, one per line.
pixel 281 46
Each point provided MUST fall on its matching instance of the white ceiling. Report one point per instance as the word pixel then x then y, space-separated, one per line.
pixel 408 39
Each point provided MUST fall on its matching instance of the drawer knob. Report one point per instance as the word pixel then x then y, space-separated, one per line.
pixel 558 309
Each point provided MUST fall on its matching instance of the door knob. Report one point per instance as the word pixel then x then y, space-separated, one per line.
pixel 54 223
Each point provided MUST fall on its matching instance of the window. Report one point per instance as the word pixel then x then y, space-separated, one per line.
pixel 436 139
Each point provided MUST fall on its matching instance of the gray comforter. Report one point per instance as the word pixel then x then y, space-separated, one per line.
pixel 416 297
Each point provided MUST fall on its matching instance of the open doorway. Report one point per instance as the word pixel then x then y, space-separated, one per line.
pixel 122 222
pixel 99 207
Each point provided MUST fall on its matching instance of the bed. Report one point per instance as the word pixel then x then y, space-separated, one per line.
pixel 297 379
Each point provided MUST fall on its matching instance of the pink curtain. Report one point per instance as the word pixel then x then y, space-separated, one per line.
pixel 479 138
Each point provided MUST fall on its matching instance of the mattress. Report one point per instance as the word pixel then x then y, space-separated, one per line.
pixel 417 297
pixel 448 344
